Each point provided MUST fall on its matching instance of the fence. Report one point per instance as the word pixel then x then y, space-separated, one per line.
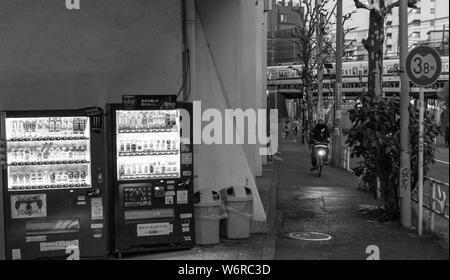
pixel 345 156
pixel 435 200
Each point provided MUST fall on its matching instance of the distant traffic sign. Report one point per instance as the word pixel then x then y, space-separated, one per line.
pixel 423 65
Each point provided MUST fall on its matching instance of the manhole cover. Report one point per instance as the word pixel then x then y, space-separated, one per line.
pixel 310 236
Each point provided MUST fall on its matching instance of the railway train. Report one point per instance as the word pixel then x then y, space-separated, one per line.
pixel 350 69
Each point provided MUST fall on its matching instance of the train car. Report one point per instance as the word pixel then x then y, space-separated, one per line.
pixel 350 69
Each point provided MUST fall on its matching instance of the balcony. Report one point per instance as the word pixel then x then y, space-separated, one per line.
pixel 389 19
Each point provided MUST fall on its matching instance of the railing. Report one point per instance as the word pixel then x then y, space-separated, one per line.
pixel 345 163
pixel 437 202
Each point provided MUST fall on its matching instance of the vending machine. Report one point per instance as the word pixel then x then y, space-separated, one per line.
pixel 54 192
pixel 152 176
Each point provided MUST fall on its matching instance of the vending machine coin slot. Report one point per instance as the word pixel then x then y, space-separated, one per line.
pixel 159 191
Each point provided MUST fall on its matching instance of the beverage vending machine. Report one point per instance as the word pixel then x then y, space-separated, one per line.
pixel 152 171
pixel 54 193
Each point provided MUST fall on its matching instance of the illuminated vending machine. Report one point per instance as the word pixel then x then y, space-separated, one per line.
pixel 151 167
pixel 53 189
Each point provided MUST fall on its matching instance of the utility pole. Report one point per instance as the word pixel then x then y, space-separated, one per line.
pixel 319 66
pixel 405 164
pixel 338 87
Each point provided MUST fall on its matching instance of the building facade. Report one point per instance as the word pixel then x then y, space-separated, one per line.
pixel 281 21
pixel 429 15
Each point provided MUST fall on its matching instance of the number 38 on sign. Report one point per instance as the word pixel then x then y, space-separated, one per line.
pixel 423 65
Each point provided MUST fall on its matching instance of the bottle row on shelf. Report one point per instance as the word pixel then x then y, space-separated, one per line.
pixel 48 152
pixel 49 127
pixel 75 175
pixel 52 186
pixel 129 121
pixel 147 169
pixel 147 146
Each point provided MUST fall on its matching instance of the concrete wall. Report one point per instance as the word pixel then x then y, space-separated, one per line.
pixel 54 58
pixel 229 75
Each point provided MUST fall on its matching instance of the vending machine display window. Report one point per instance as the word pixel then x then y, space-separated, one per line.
pixel 148 144
pixel 48 153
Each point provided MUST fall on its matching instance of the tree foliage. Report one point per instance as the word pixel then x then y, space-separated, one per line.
pixel 375 137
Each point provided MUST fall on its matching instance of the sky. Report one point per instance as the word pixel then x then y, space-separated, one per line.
pixel 360 18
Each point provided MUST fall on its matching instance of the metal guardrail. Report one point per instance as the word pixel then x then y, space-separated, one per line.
pixel 345 157
pixel 438 202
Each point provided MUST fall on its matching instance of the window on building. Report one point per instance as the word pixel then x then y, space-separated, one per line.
pixel 416 22
pixel 417 10
pixel 283 18
pixel 431 22
pixel 415 35
pixel 432 11
pixel 389 35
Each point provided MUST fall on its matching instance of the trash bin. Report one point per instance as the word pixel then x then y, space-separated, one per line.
pixel 239 206
pixel 207 213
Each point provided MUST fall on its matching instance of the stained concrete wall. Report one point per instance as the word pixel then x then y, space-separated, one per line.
pixel 54 58
pixel 229 75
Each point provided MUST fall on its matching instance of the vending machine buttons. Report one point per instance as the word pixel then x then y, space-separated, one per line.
pixel 159 191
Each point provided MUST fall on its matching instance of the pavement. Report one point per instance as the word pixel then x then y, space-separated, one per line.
pixel 330 204
pixel 297 200
pixel 260 245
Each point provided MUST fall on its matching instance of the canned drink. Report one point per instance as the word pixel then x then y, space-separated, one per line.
pixel 52 177
pixel 76 176
pixel 76 126
pixel 83 176
pixel 82 124
pixel 14 179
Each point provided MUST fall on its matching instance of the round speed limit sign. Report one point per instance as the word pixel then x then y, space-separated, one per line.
pixel 423 65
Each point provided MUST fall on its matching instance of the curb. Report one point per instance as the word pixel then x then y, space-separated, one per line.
pixel 269 244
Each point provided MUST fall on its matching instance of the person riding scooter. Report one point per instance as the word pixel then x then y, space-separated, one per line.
pixel 319 134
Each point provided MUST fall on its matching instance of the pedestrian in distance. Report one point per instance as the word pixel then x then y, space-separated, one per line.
pixel 287 125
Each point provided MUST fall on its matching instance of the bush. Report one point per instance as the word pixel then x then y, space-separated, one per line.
pixel 375 137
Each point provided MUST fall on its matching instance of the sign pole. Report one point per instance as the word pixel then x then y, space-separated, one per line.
pixel 420 163
pixel 424 66
pixel 405 167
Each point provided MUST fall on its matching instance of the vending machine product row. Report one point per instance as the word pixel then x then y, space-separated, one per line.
pixel 54 194
pixel 151 168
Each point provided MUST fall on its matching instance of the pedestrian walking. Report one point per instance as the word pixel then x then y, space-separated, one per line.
pixel 287 125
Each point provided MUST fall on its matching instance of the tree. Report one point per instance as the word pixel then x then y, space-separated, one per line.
pixel 375 137
pixel 312 45
pixel 374 43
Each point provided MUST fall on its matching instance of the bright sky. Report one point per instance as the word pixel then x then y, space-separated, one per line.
pixel 360 18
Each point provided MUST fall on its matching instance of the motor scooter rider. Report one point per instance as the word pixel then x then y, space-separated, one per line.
pixel 319 134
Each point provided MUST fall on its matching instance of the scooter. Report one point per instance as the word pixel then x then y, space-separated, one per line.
pixel 321 151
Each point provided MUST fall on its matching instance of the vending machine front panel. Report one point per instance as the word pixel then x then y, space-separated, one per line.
pixel 53 186
pixel 151 205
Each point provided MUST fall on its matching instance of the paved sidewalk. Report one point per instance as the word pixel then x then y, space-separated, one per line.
pixel 330 205
pixel 260 245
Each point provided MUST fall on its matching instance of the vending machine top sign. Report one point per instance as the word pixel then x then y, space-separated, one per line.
pixel 423 65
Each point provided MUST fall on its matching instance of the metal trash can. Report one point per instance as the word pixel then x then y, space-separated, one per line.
pixel 239 206
pixel 207 213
